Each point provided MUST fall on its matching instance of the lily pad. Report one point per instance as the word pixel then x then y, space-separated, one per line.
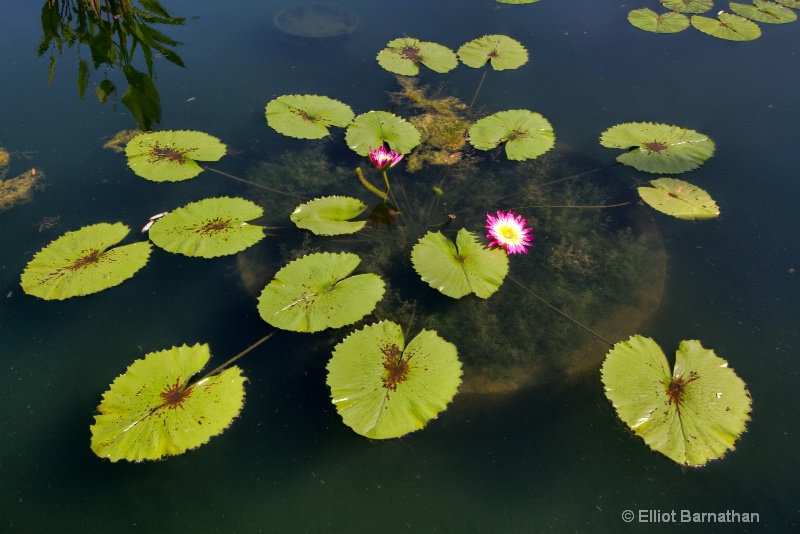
pixel 171 156
pixel 370 130
pixel 82 262
pixel 153 410
pixel 679 199
pixel 659 148
pixel 650 21
pixel 460 268
pixel 316 292
pixel 209 228
pixel 691 415
pixel 307 116
pixel 401 56
pixel 384 389
pixel 794 4
pixel 688 6
pixel 727 26
pixel 501 51
pixel 763 11
pixel 527 135
pixel 329 215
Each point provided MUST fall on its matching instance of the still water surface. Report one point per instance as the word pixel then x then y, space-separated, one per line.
pixel 546 458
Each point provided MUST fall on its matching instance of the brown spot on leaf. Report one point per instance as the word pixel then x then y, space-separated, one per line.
pixel 656 146
pixel 395 367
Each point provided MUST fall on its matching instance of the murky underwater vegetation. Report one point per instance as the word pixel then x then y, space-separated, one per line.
pixel 530 441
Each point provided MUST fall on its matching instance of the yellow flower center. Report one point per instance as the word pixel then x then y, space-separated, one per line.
pixel 508 233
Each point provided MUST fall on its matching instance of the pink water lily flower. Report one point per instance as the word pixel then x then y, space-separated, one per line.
pixel 384 158
pixel 508 231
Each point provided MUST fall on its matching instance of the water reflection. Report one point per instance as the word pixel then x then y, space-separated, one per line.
pixel 113 30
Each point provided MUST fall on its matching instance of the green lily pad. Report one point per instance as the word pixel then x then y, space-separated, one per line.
pixel 727 26
pixel 401 56
pixel 688 6
pixel 650 21
pixel 460 268
pixel 82 262
pixel 307 116
pixel 171 156
pixel 209 228
pixel 679 199
pixel 659 148
pixel 501 51
pixel 329 215
pixel 794 4
pixel 370 130
pixel 763 11
pixel 693 414
pixel 527 135
pixel 153 410
pixel 316 292
pixel 384 389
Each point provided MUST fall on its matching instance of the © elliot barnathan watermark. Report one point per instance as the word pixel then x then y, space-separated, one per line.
pixel 689 516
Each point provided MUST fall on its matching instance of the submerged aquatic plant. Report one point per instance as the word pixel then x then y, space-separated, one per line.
pixel 509 232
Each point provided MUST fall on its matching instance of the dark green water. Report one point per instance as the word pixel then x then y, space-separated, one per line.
pixel 547 458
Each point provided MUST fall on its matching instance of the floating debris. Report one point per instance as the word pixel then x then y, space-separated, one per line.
pixel 120 139
pixel 20 188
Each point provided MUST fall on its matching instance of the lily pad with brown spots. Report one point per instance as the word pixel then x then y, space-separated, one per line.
pixel 385 389
pixel 209 228
pixel 83 262
pixel 172 156
pixel 307 116
pixel 658 148
pixel 317 292
pixel 155 409
pixel 692 414
pixel 403 56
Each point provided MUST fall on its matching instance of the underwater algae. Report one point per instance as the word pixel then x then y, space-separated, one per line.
pixel 603 267
pixel 441 120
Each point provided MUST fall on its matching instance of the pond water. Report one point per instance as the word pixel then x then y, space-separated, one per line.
pixel 549 455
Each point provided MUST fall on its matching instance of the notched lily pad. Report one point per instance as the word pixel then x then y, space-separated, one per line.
pixel 370 130
pixel 659 148
pixel 307 116
pixel 171 156
pixel 501 51
pixel 403 55
pixel 209 228
pixel 460 268
pixel 679 199
pixel 385 389
pixel 763 11
pixel 727 26
pixel 650 21
pixel 688 6
pixel 527 134
pixel 317 292
pixel 329 215
pixel 154 410
pixel 693 414
pixel 82 262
